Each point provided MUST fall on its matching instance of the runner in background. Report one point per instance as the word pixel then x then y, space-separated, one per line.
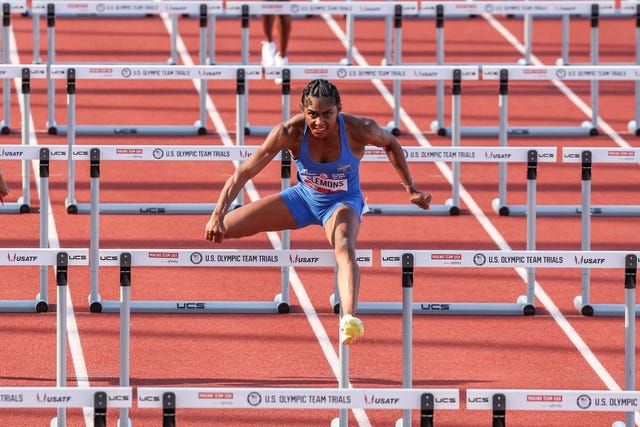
pixel 275 54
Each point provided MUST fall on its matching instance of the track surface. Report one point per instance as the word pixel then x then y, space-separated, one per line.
pixel 556 349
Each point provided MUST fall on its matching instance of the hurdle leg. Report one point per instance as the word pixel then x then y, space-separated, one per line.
pixel 438 125
pixel 583 302
pixel 630 329
pixel 500 204
pixel 51 56
pixel 634 125
pixel 564 54
pixel 95 301
pixel 61 333
pixel 25 199
pixel 42 299
pixel 454 202
pixel 407 333
pixel 71 139
pixel 595 84
pixel 6 83
pixel 529 300
pixel 125 330
pixel 343 382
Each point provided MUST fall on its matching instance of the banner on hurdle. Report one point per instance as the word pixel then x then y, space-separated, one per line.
pixel 396 73
pixel 64 397
pixel 298 398
pixel 453 258
pixel 214 258
pixel 545 73
pixel 41 257
pixel 556 400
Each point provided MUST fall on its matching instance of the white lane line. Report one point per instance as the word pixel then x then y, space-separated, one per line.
pixel 75 346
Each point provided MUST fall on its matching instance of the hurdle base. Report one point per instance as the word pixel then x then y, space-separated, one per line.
pixel 24 306
pixel 14 208
pixel 412 210
pixel 566 210
pixel 4 128
pixel 448 308
pixel 518 131
pixel 131 130
pixel 197 307
pixel 144 208
pixel 602 310
pixel 633 128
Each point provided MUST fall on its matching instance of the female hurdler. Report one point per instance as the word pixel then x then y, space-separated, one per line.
pixel 326 145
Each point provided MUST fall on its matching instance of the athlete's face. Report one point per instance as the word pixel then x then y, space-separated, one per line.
pixel 321 115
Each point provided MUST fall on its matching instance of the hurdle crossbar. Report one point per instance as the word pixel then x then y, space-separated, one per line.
pixel 25 73
pixel 529 9
pixel 424 400
pixel 513 259
pixel 206 9
pixel 238 73
pixel 588 156
pixel 455 74
pixel 215 258
pixel 351 9
pixel 546 73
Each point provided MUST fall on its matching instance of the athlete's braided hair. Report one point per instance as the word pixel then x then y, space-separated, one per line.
pixel 320 88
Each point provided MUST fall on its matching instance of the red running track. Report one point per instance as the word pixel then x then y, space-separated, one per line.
pixel 556 349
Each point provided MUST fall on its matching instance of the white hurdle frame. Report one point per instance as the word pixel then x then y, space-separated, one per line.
pixel 25 73
pixel 396 73
pixel 283 258
pixel 408 260
pixel 546 73
pixel 206 9
pixel 8 7
pixel 126 259
pixel 425 400
pixel 238 73
pixel 352 9
pixel 525 304
pixel 588 156
pixel 529 9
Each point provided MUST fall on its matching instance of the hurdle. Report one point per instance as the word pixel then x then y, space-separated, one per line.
pixel 546 73
pixel 206 9
pixel 42 257
pixel 8 8
pixel 216 258
pixel 499 401
pixel 25 73
pixel 352 10
pixel 408 260
pixel 588 156
pixel 238 73
pixel 100 399
pixel 528 9
pixel 425 400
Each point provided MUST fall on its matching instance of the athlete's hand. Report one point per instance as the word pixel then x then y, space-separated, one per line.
pixel 420 199
pixel 215 230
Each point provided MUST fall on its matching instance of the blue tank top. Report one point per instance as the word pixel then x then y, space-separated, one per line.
pixel 328 182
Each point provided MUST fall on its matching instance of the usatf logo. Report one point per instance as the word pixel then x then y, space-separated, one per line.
pixel 49 399
pixel 373 400
pixel 584 260
pixel 196 258
pixel 21 258
pixel 299 259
